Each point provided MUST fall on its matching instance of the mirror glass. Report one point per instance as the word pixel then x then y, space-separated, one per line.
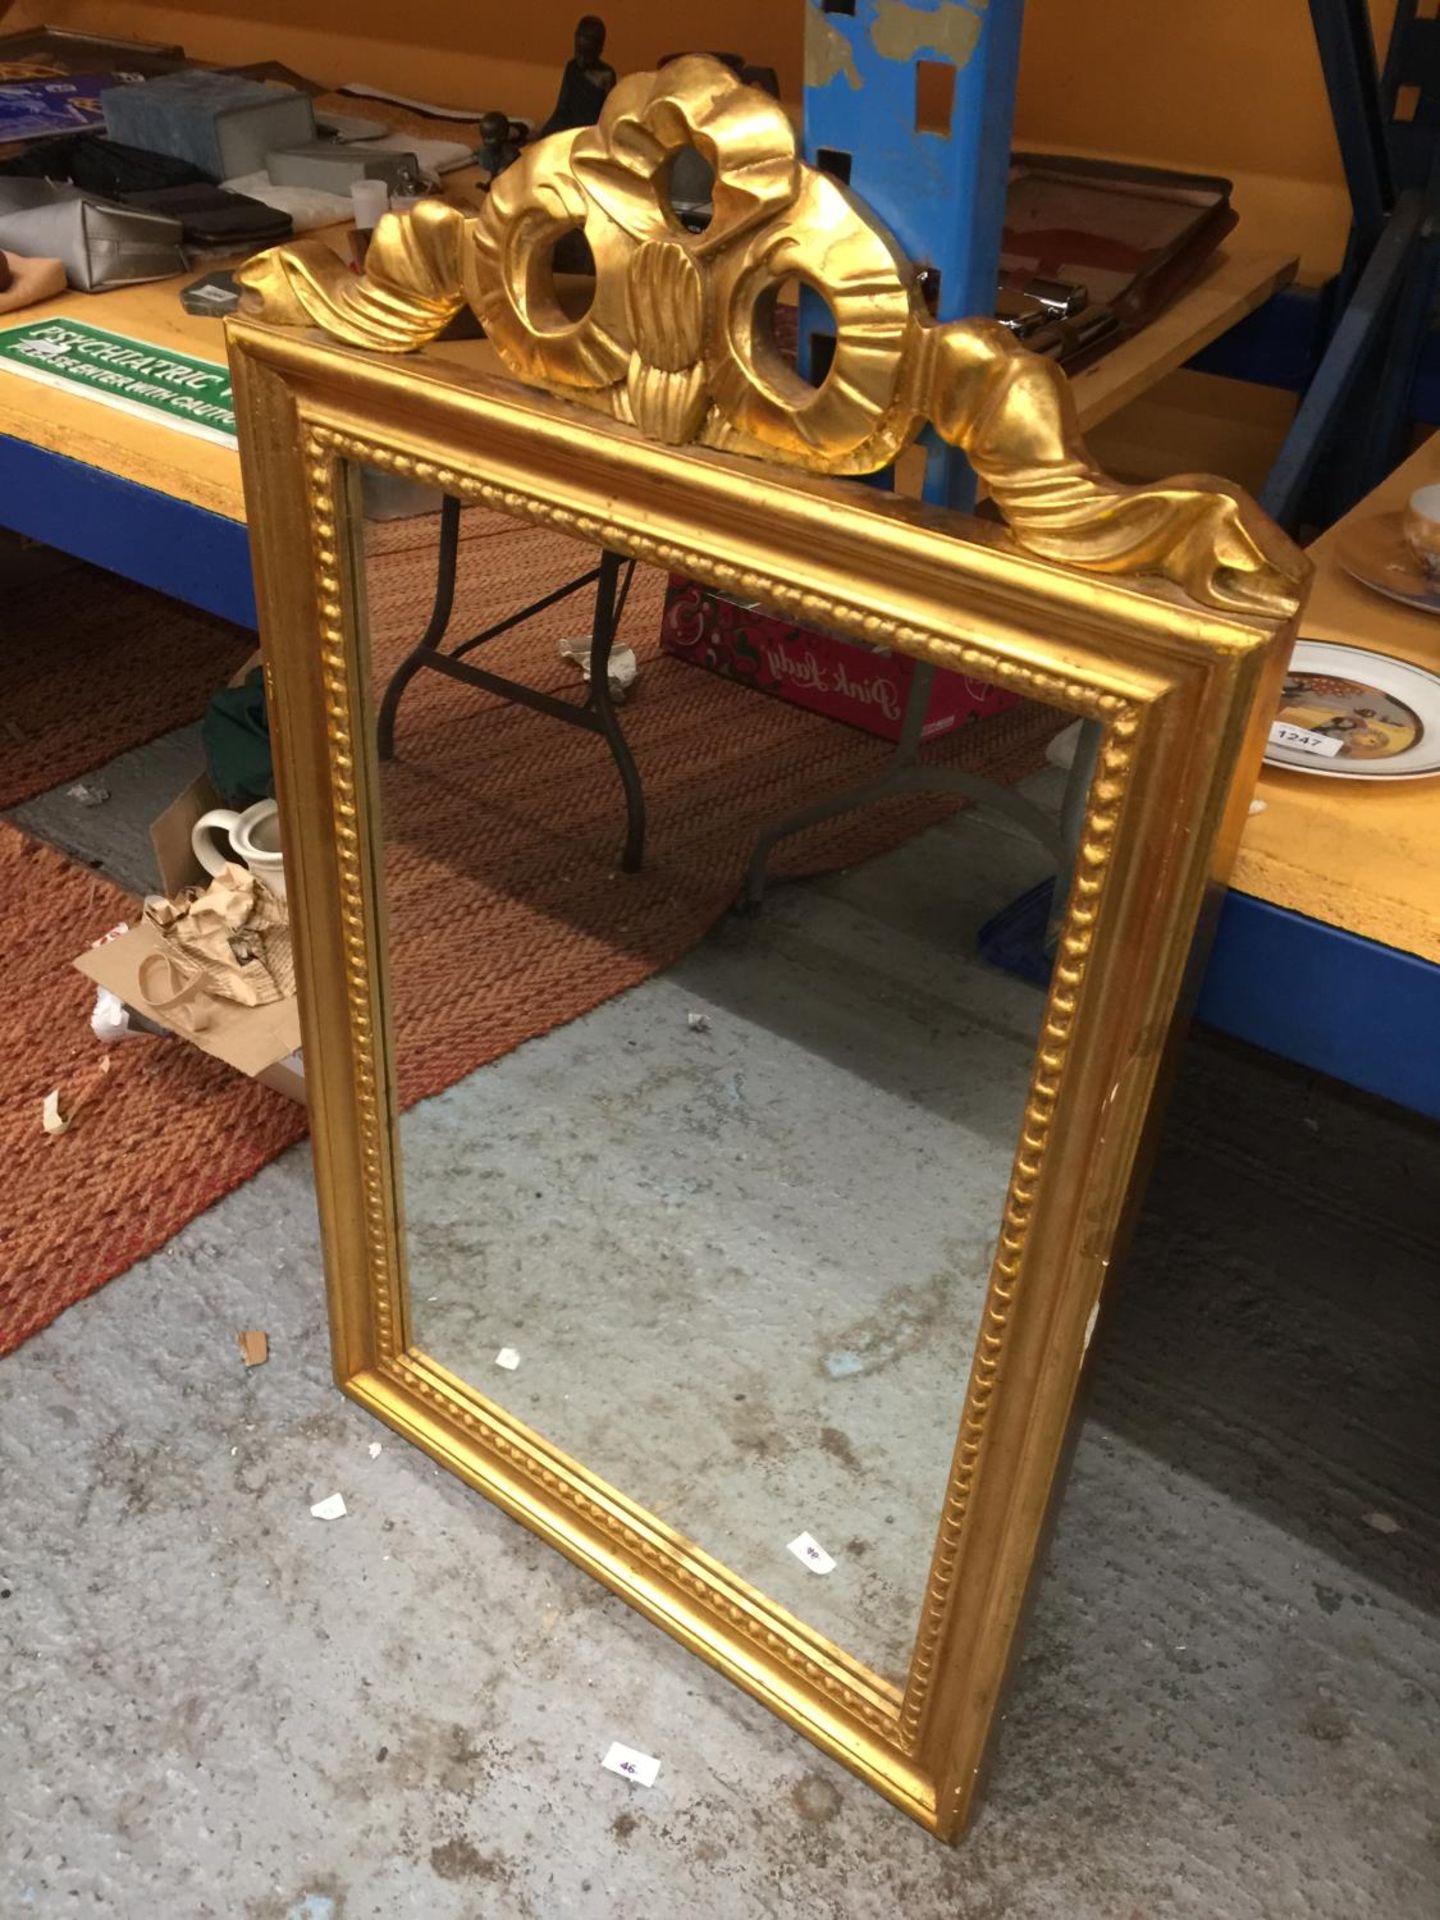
pixel 708 1198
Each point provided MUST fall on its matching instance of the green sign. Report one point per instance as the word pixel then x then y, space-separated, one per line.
pixel 133 375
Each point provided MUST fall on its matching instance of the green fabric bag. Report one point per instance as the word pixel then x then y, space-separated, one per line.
pixel 236 736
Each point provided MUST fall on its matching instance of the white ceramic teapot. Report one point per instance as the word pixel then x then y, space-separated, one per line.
pixel 254 838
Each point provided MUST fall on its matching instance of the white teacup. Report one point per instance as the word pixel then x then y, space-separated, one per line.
pixel 1422 529
pixel 254 838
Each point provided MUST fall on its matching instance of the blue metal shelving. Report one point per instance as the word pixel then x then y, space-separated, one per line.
pixel 1344 1006
pixel 179 549
pixel 913 106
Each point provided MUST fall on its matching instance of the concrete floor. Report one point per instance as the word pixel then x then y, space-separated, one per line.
pixel 214 1705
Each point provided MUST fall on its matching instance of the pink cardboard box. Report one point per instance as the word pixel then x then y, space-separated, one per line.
pixel 839 678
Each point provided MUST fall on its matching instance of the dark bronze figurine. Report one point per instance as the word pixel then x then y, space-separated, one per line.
pixel 587 79
pixel 497 149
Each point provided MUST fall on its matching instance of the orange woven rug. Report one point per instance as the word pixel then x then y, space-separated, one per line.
pixel 508 915
pixel 91 665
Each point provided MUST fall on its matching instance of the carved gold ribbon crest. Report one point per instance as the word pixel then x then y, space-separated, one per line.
pixel 678 340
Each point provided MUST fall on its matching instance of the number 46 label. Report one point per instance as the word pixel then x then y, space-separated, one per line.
pixel 1302 740
pixel 631 1764
pixel 809 1552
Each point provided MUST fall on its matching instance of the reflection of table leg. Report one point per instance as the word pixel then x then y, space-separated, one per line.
pixel 596 714
pixel 1022 937
pixel 904 775
pixel 609 606
pixel 434 633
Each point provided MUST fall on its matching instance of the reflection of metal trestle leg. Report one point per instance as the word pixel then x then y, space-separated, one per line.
pixel 430 640
pixel 596 714
pixel 904 775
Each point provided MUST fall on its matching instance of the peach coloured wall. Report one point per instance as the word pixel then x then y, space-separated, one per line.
pixel 1218 85
pixel 1214 84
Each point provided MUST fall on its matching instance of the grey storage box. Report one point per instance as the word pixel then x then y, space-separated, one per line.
pixel 99 244
pixel 219 122
pixel 334 167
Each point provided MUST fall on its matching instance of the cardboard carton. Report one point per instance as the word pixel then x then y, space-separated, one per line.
pixel 260 1042
pixel 170 837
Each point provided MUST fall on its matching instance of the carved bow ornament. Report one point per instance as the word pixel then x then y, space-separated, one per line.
pixel 678 340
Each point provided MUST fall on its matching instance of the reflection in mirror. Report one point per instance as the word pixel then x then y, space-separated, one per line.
pixel 726 1185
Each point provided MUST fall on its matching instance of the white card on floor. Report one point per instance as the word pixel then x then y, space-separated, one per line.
pixel 333 1508
pixel 811 1554
pixel 631 1765
pixel 1302 740
pixel 508 1358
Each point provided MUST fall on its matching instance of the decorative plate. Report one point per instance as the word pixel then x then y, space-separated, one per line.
pixel 1374 553
pixel 1356 715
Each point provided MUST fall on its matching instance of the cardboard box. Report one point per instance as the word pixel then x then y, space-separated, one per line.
pixel 843 679
pixel 261 1042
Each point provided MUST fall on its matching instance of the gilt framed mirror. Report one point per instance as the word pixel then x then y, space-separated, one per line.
pixel 750 1260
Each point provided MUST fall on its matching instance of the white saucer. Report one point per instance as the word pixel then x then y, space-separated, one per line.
pixel 1375 553
pixel 1367 701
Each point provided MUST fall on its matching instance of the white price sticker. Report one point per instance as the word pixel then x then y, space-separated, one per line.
pixel 809 1552
pixel 1302 740
pixel 631 1765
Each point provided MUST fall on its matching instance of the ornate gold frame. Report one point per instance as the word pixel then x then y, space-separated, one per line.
pixel 1182 692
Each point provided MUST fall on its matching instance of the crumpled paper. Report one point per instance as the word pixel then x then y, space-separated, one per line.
pixel 61 1106
pixel 624 667
pixel 230 938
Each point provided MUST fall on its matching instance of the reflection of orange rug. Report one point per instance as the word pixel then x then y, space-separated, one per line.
pixel 507 913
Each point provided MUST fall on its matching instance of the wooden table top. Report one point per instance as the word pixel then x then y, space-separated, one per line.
pixel 1359 854
pixel 203 475
pixel 1316 847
